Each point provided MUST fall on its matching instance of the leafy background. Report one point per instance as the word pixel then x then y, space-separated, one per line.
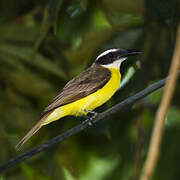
pixel 44 43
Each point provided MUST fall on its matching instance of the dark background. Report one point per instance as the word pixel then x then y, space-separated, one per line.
pixel 45 43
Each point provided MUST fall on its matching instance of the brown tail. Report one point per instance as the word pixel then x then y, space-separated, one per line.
pixel 30 133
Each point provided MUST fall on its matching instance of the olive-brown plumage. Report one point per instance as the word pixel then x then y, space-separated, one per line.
pixel 86 83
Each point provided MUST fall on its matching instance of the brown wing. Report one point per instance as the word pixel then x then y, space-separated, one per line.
pixel 86 83
pixel 81 86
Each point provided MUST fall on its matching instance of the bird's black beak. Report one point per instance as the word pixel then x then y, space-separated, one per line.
pixel 130 52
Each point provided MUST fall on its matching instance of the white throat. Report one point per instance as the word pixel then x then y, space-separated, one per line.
pixel 116 64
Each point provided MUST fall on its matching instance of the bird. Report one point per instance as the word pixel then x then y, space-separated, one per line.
pixel 87 91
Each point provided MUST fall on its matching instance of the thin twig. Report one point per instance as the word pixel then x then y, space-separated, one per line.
pixel 129 101
pixel 154 147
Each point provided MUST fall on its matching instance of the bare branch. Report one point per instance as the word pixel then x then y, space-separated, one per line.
pixel 156 137
pixel 129 101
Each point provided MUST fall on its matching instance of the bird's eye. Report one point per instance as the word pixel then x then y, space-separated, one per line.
pixel 110 55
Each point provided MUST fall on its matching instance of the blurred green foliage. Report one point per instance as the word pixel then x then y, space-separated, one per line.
pixel 43 44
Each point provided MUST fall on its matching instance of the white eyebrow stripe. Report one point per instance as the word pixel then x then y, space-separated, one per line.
pixel 106 52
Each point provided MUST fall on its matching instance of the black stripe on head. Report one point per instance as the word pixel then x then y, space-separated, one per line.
pixel 108 56
pixel 112 55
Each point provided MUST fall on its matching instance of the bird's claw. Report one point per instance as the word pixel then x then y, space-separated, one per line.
pixel 90 119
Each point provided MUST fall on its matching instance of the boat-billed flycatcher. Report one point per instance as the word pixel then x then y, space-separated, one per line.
pixel 87 91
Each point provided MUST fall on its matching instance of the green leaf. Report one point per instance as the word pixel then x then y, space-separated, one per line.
pixel 31 173
pixel 49 18
pixel 2 178
pixel 30 83
pixel 28 172
pixel 27 54
pixel 99 168
pixel 67 175
pixel 155 97
pixel 18 33
pixel 173 117
pixel 99 20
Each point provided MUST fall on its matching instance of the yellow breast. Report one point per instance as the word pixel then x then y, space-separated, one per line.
pixel 90 102
pixel 95 99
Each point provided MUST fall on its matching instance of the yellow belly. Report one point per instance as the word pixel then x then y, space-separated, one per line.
pixel 90 102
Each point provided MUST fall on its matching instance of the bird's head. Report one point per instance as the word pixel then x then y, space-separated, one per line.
pixel 113 58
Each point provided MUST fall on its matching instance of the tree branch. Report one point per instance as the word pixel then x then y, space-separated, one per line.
pixel 156 137
pixel 129 101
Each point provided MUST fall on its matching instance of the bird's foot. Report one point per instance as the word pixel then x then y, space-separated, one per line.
pixel 90 119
